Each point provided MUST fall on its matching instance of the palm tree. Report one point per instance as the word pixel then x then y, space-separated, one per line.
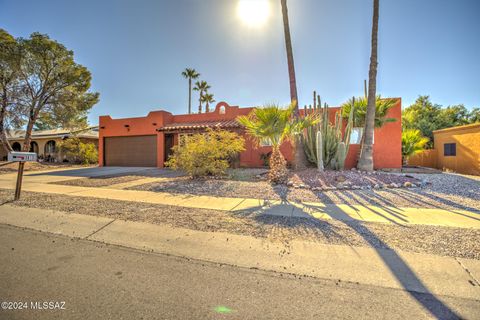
pixel 366 155
pixel 201 86
pixel 382 106
pixel 207 98
pixel 412 143
pixel 190 73
pixel 300 157
pixel 274 125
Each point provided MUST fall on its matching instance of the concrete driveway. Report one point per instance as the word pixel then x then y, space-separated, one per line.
pixel 56 175
pixel 90 172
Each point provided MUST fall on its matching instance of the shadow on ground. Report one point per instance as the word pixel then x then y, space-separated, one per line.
pixel 398 267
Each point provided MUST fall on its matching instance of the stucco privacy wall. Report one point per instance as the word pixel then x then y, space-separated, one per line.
pixel 467 158
pixel 387 146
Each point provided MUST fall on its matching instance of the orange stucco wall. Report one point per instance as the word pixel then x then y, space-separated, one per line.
pixel 387 146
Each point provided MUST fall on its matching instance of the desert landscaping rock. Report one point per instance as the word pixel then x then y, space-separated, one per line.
pixel 424 239
pixel 12 167
pixel 99 181
pixel 444 191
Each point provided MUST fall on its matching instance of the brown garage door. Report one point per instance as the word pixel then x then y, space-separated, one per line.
pixel 134 151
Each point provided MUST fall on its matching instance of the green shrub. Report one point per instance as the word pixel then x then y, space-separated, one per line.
pixel 206 153
pixel 76 151
pixel 412 143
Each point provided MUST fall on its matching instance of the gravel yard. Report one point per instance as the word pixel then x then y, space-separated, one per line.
pixel 11 167
pixel 443 190
pixel 108 180
pixel 103 181
pixel 425 239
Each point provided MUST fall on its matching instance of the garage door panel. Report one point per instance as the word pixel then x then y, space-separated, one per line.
pixel 131 151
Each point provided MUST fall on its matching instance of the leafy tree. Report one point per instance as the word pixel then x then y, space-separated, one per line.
pixel 276 125
pixel 52 82
pixel 190 73
pixel 9 86
pixel 427 117
pixel 201 87
pixel 208 153
pixel 456 115
pixel 412 143
pixel 77 151
pixel 424 116
pixel 366 154
pixel 207 98
pixel 474 115
pixel 382 106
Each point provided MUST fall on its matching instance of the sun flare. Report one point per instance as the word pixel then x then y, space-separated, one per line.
pixel 253 13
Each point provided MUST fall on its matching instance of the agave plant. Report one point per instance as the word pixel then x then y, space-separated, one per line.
pixel 275 124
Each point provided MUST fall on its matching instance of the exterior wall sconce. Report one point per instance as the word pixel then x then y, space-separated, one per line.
pixel 154 123
pixel 102 127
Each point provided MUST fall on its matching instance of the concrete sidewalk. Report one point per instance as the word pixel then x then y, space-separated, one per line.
pixel 42 182
pixel 383 214
pixel 414 272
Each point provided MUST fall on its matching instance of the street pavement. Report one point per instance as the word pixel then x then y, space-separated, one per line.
pixel 100 281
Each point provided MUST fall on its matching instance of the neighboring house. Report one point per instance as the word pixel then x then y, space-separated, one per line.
pixel 456 149
pixel 148 141
pixel 45 142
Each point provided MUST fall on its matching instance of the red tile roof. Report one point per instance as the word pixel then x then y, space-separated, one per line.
pixel 222 124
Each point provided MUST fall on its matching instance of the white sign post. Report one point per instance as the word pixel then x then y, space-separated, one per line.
pixel 21 158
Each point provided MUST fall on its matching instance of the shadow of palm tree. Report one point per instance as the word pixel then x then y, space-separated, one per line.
pixel 399 268
pixel 405 276
pixel 277 213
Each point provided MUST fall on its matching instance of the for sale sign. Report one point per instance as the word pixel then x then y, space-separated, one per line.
pixel 22 156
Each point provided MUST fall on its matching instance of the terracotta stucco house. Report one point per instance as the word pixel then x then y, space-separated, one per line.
pixel 45 142
pixel 147 141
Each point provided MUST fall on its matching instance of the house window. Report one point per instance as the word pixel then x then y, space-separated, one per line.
pixel 50 147
pixel 16 146
pixel 449 149
pixel 221 110
pixel 356 135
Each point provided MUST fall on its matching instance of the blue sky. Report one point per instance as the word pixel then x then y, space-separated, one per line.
pixel 136 50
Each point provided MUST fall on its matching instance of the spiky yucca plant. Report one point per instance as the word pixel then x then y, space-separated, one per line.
pixel 275 124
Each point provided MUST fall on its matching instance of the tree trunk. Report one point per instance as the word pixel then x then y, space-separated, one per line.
pixel 3 132
pixel 189 95
pixel 278 166
pixel 207 107
pixel 300 161
pixel 28 132
pixel 366 155
pixel 200 103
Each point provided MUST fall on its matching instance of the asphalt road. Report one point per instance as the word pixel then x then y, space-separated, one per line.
pixel 98 281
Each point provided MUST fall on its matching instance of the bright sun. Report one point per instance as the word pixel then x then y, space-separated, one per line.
pixel 254 13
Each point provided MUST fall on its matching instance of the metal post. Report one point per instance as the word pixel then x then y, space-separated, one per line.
pixel 18 188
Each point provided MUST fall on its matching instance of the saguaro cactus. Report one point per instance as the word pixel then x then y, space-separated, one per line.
pixel 341 155
pixel 325 145
pixel 319 151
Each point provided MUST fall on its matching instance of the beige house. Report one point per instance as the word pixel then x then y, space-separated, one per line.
pixel 45 142
pixel 456 149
